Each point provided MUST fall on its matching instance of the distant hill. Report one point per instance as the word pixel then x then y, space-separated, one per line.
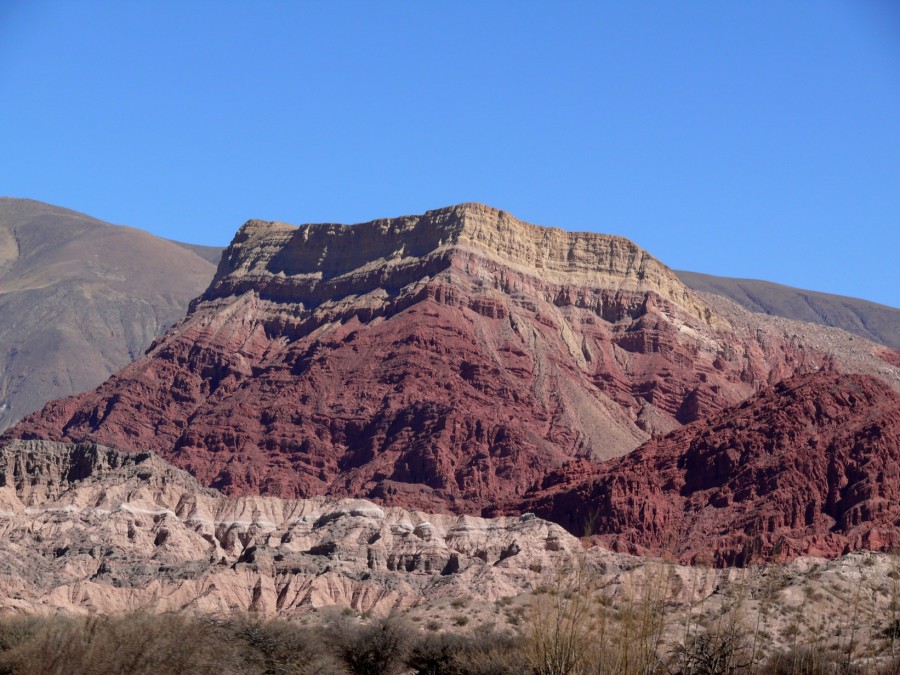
pixel 80 298
pixel 210 253
pixel 870 320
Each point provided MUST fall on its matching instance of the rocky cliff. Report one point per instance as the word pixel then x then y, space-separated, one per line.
pixel 810 466
pixel 87 530
pixel 445 361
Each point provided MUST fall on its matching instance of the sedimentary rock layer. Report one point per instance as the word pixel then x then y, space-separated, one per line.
pixel 83 527
pixel 810 466
pixel 445 361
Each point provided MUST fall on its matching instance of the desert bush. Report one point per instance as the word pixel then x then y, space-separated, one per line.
pixel 491 653
pixel 14 630
pixel 379 646
pixel 136 643
pixel 558 633
pixel 713 653
pixel 437 655
pixel 279 646
pixel 576 627
pixel 723 645
pixel 801 661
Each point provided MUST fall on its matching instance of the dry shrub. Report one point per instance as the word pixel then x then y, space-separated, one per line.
pixel 723 646
pixel 491 653
pixel 15 630
pixel 576 627
pixel 801 661
pixel 713 653
pixel 137 643
pixel 158 643
pixel 378 646
pixel 279 646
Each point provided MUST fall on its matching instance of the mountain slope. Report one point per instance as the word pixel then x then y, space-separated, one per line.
pixel 447 361
pixel 80 298
pixel 870 320
pixel 810 466
pixel 211 254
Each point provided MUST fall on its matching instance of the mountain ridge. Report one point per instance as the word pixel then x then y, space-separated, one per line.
pixel 80 298
pixel 809 466
pixel 320 362
pixel 871 320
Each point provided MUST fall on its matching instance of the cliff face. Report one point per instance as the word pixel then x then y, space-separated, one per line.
pixel 810 466
pixel 317 263
pixel 447 361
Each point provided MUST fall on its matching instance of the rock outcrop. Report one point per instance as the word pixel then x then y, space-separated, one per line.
pixel 83 527
pixel 810 466
pixel 87 530
pixel 447 361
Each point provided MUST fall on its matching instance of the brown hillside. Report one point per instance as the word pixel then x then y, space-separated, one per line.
pixel 79 299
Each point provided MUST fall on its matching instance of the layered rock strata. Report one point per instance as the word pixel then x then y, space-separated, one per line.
pixel 810 466
pixel 445 361
pixel 84 529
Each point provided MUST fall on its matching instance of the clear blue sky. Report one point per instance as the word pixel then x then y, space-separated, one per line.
pixel 751 139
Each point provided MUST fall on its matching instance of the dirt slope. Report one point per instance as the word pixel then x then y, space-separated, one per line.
pixel 79 299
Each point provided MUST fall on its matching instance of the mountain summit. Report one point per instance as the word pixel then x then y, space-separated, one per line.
pixel 315 263
pixel 442 361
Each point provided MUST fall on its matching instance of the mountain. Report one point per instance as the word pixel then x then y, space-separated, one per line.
pixel 870 320
pixel 79 299
pixel 211 254
pixel 447 361
pixel 810 466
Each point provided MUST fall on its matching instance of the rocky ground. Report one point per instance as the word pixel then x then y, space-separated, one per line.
pixel 87 529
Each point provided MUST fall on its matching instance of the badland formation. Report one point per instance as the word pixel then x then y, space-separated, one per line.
pixel 429 406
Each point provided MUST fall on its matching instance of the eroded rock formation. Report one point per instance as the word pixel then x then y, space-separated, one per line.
pixel 447 361
pixel 810 466
pixel 84 527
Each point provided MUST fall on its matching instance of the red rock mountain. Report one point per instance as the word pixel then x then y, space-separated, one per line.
pixel 810 466
pixel 448 361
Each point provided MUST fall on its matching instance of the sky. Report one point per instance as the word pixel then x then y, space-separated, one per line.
pixel 746 139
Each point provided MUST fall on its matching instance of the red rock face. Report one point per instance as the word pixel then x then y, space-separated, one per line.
pixel 891 356
pixel 450 361
pixel 810 466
